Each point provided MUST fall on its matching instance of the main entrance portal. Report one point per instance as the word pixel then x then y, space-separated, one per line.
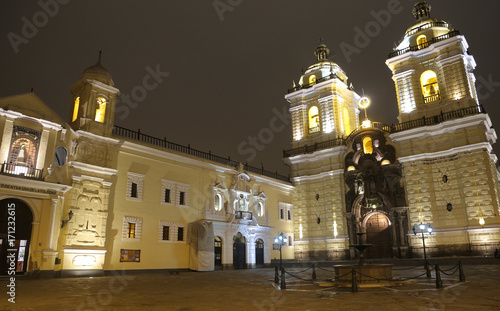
pixel 239 251
pixel 378 234
pixel 15 234
pixel 259 252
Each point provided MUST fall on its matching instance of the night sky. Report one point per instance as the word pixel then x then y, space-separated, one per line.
pixel 224 65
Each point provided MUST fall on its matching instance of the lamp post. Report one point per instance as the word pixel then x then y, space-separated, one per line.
pixel 422 229
pixel 281 240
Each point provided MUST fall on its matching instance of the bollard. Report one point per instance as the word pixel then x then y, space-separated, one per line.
pixel 439 282
pixel 427 269
pixel 283 283
pixel 314 274
pixel 461 271
pixel 276 275
pixel 354 285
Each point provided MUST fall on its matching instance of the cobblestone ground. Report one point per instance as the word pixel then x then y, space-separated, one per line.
pixel 253 290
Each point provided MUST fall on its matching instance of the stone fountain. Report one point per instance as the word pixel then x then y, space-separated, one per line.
pixel 368 273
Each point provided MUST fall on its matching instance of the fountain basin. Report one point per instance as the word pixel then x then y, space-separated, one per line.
pixel 370 271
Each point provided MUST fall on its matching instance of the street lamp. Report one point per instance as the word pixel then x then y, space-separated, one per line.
pixel 422 229
pixel 281 240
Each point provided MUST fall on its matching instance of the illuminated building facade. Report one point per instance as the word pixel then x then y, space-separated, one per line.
pixel 435 167
pixel 90 197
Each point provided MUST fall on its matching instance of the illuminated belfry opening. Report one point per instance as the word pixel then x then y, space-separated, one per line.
pixel 347 125
pixel 313 120
pixel 75 109
pixel 100 109
pixel 430 87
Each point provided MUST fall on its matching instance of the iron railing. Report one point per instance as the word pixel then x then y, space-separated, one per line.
pixel 432 98
pixel 424 45
pixel 425 26
pixel 243 215
pixel 21 171
pixel 164 143
pixel 394 128
pixel 306 86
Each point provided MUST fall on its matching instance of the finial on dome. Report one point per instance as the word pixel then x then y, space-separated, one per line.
pixel 321 51
pixel 421 10
pixel 100 54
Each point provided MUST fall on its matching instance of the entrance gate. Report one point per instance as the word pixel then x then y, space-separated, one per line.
pixel 218 253
pixel 378 233
pixel 239 251
pixel 15 234
pixel 259 252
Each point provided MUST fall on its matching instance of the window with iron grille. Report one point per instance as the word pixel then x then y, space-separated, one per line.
pixel 180 234
pixel 166 233
pixel 131 230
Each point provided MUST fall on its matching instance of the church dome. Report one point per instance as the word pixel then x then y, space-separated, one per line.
pixel 99 73
pixel 324 69
pixel 425 31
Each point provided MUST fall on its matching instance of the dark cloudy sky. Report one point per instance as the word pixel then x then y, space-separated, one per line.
pixel 228 70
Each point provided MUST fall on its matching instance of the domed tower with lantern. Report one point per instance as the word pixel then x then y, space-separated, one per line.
pixel 324 110
pixel 94 100
pixel 444 140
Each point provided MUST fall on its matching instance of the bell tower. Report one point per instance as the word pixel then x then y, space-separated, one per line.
pixel 94 99
pixel 431 68
pixel 323 106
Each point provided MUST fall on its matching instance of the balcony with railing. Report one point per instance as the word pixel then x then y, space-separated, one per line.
pixel 432 98
pixel 308 85
pixel 394 128
pixel 424 45
pixel 21 171
pixel 244 215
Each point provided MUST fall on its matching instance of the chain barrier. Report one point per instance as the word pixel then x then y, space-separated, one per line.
pixel 413 277
pixel 298 277
pixel 455 266
pixel 449 270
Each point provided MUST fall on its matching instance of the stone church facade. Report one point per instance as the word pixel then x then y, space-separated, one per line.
pixel 434 168
pixel 85 197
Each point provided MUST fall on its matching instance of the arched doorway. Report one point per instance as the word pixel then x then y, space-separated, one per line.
pixel 239 251
pixel 15 233
pixel 217 253
pixel 378 233
pixel 259 252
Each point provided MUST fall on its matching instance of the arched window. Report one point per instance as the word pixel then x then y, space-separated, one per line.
pixel 430 87
pixel 422 42
pixel 75 109
pixel 312 79
pixel 367 145
pixel 347 124
pixel 217 202
pixel 313 120
pixel 100 109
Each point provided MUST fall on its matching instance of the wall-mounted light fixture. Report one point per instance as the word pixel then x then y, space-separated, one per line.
pixel 64 222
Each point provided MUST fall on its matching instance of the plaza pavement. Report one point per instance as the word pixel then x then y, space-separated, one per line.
pixel 254 289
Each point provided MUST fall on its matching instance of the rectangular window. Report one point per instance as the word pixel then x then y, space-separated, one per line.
pixel 289 215
pixel 166 233
pixel 181 198
pixel 167 195
pixel 133 190
pixel 180 234
pixel 131 230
